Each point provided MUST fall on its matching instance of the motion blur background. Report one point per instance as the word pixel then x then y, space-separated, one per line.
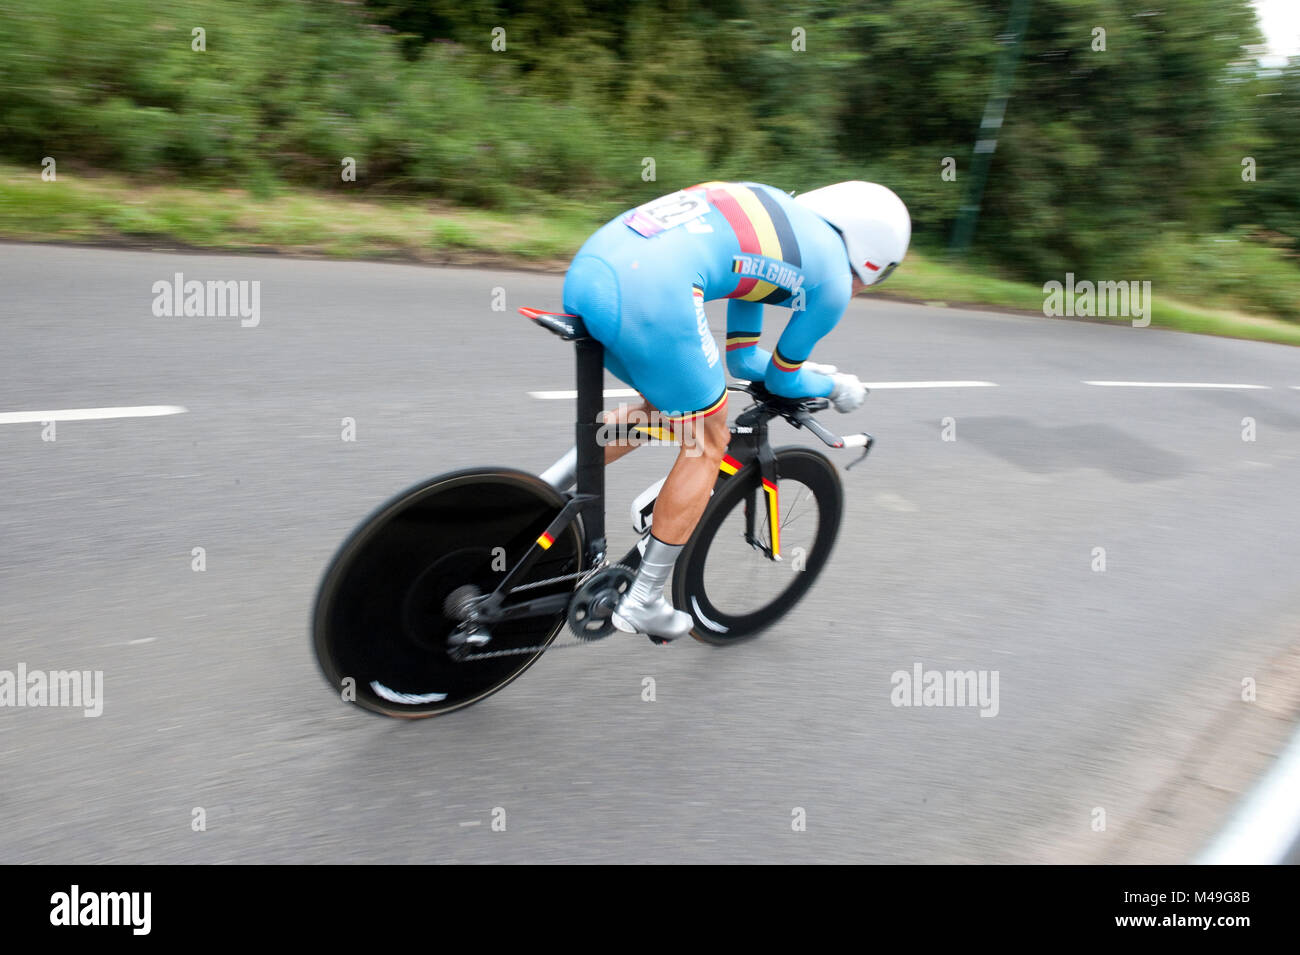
pixel 1120 152
pixel 1141 140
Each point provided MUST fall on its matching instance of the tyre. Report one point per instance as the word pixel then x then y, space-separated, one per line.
pixel 379 627
pixel 728 583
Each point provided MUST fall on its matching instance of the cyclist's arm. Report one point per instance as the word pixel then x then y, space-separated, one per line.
pixel 745 359
pixel 823 307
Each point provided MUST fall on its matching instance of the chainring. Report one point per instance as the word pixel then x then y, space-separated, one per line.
pixel 591 610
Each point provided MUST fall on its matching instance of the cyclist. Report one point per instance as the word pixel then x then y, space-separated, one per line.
pixel 640 284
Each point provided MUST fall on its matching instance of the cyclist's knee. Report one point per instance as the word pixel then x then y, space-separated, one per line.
pixel 630 412
pixel 708 437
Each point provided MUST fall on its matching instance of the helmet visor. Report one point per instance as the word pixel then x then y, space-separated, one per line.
pixel 875 278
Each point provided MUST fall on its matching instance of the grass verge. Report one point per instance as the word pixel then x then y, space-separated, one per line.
pixel 109 209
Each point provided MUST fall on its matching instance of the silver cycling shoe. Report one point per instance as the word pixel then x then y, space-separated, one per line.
pixel 654 617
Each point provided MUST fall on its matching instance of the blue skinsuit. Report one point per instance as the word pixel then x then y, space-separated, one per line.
pixel 640 282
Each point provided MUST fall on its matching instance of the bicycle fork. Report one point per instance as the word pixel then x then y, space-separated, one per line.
pixel 751 449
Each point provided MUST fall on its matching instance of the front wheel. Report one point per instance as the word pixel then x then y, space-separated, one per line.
pixel 728 578
pixel 381 624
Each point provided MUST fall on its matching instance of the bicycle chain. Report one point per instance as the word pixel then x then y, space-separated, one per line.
pixel 584 574
pixel 542 648
pixel 519 651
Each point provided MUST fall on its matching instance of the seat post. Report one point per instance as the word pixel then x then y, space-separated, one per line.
pixel 591 455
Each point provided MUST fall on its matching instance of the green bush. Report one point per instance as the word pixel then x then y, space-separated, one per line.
pixel 1103 159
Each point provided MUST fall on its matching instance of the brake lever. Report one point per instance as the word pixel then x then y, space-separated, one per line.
pixel 852 441
pixel 804 420
pixel 861 440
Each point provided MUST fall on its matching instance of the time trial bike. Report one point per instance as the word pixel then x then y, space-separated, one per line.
pixel 455 587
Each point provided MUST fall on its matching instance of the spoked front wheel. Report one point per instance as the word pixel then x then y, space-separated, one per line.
pixel 382 615
pixel 727 577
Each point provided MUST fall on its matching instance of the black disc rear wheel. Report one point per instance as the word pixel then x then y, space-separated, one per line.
pixel 726 578
pixel 381 626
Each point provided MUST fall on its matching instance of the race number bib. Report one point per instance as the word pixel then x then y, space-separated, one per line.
pixel 666 212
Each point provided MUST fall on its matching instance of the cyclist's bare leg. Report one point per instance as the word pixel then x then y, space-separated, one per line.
pixel 642 412
pixel 644 608
pixel 686 491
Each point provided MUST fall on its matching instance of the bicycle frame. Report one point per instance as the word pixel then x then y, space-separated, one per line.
pixel 410 596
pixel 587 502
pixel 749 446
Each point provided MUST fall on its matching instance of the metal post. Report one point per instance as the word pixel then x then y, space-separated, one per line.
pixel 591 456
pixel 987 143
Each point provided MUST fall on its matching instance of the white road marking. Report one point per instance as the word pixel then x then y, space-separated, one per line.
pixel 1267 824
pixel 894 502
pixel 881 385
pixel 139 641
pixel 559 395
pixel 466 825
pixel 89 414
pixel 1171 384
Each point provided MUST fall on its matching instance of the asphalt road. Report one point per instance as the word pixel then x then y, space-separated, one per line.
pixel 974 553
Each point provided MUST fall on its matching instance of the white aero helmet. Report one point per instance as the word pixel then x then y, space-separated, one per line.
pixel 871 219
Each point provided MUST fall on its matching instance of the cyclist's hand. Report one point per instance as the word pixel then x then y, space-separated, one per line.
pixel 847 392
pixel 820 369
